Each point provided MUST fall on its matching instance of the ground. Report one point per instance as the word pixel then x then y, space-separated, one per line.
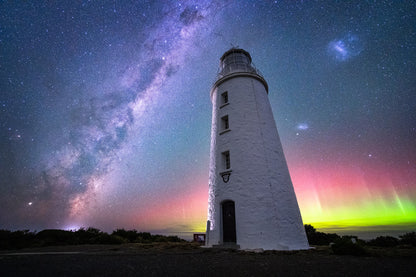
pixel 186 259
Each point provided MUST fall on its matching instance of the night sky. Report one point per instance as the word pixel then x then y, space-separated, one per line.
pixel 106 115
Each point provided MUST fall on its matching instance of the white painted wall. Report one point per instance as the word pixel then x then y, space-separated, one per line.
pixel 267 213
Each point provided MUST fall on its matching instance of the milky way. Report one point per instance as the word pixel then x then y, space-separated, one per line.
pixel 106 111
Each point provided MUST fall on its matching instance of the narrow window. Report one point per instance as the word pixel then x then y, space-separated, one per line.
pixel 225 123
pixel 224 97
pixel 226 158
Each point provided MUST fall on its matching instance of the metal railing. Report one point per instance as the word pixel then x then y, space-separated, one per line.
pixel 237 67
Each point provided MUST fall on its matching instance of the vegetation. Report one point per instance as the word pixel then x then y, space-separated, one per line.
pixel 49 237
pixel 348 245
pixel 408 238
pixel 351 245
pixel 319 238
pixel 345 245
pixel 144 237
pixel 384 241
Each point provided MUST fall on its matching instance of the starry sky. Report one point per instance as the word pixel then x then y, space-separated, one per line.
pixel 105 109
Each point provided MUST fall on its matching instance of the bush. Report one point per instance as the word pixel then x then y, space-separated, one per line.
pixel 21 239
pixel 309 229
pixel 408 238
pixel 319 238
pixel 16 239
pixel 384 241
pixel 85 236
pixel 348 246
pixel 55 237
pixel 105 238
pixel 130 235
pixel 175 239
pixel 144 237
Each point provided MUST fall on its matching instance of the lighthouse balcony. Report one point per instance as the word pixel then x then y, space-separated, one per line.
pixel 237 68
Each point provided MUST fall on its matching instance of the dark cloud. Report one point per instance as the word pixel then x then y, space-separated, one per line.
pixel 190 15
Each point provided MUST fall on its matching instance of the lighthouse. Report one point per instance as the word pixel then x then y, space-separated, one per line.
pixel 252 203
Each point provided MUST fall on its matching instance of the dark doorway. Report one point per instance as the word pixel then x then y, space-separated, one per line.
pixel 228 222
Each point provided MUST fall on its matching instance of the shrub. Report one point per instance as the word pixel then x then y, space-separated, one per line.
pixel 21 239
pixel 175 239
pixel 408 238
pixel 144 237
pixel 16 239
pixel 85 236
pixel 130 235
pixel 160 238
pixel 384 241
pixel 319 238
pixel 348 246
pixel 55 237
pixel 105 238
pixel 309 229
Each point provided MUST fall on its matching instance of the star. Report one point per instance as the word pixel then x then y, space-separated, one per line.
pixel 105 105
pixel 302 126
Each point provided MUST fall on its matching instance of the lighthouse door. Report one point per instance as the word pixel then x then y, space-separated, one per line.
pixel 228 221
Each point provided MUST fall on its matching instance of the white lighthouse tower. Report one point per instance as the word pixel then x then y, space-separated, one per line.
pixel 252 203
